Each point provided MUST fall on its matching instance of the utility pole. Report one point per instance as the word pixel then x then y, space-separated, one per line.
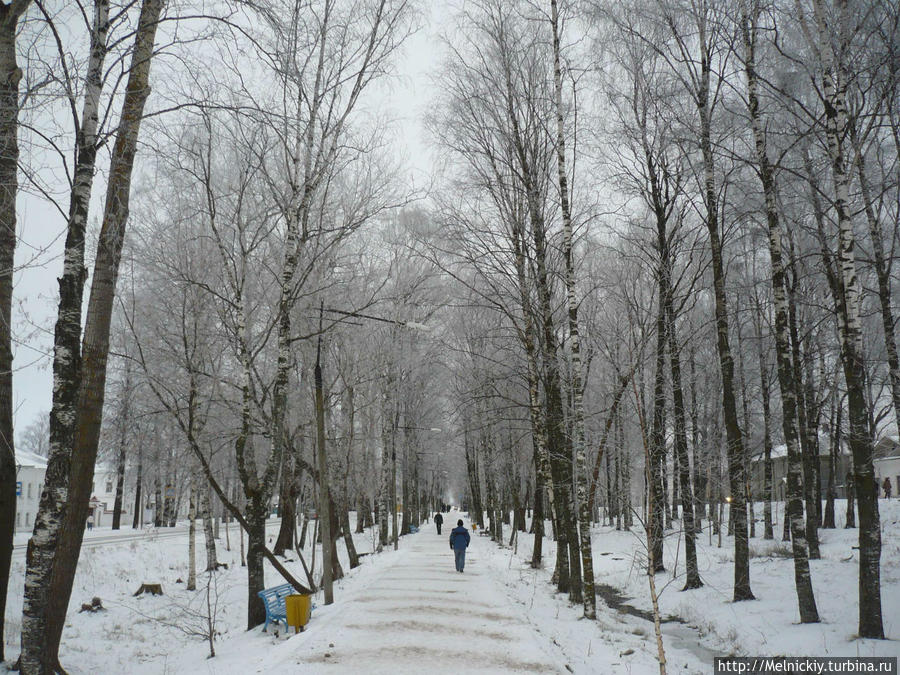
pixel 324 496
pixel 394 532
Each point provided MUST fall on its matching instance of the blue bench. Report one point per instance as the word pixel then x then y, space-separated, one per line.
pixel 273 598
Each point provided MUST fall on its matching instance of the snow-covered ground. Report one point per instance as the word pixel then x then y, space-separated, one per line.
pixel 408 611
pixel 769 625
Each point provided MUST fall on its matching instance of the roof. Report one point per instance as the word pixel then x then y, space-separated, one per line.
pixel 26 458
pixel 781 450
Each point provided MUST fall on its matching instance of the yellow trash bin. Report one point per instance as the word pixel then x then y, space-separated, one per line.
pixel 297 608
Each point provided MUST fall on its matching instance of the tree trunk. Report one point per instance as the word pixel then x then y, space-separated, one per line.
pixel 681 447
pixel 604 440
pixel 324 495
pixel 560 463
pixel 157 508
pixel 828 516
pixel 212 561
pixel 404 488
pixel 37 655
pixel 124 424
pixel 10 75
pixel 192 538
pixel 806 445
pixel 786 374
pixel 541 453
pixel 385 491
pixel 256 541
pixel 138 520
pixel 745 407
pixel 337 571
pixel 627 507
pixel 834 89
pixel 699 483
pixel 301 544
pixel 768 487
pixel 97 323
pixel 580 469
pixel 348 538
pixel 120 487
pixel 656 455
pixel 882 266
pixel 850 518
pixel 474 482
pixel 617 485
pixel 568 575
pixel 362 516
pixel 537 512
pixel 287 507
pixel 734 438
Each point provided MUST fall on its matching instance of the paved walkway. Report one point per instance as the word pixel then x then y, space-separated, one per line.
pixel 421 616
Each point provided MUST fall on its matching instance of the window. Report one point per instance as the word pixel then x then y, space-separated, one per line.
pixel 27 519
pixel 29 491
pixel 18 519
pixel 109 485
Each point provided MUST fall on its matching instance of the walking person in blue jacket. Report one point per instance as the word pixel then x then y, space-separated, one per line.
pixel 459 541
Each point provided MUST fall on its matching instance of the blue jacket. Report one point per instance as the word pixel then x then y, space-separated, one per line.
pixel 459 538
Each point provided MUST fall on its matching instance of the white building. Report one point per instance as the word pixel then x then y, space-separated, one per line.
pixel 887 467
pixel 30 470
pixel 103 496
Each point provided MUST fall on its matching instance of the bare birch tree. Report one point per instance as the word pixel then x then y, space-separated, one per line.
pixel 11 14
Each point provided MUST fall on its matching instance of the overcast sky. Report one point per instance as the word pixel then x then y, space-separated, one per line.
pixel 42 228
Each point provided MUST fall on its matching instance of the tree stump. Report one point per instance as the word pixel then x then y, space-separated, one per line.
pixel 152 589
pixel 95 605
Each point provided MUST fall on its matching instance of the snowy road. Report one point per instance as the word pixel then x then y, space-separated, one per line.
pixel 102 537
pixel 419 615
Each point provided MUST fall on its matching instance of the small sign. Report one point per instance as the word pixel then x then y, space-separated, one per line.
pixel 18 488
pixel 170 492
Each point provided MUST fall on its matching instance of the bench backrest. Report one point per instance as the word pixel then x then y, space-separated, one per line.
pixel 274 597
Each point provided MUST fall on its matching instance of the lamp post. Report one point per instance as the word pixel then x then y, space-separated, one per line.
pixel 406 507
pixel 320 417
pixel 421 453
pixel 324 497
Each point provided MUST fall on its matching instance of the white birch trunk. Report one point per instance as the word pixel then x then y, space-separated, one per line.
pixel 192 537
pixel 66 367
pixel 583 509
pixel 834 92
pixel 208 530
pixel 802 580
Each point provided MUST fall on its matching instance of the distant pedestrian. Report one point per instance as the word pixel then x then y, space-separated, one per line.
pixel 886 486
pixel 459 541
pixel 90 522
pixel 438 520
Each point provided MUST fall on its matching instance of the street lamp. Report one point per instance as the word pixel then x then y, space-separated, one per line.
pixel 321 454
pixel 395 533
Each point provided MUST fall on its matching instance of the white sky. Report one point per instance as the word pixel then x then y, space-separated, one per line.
pixel 42 228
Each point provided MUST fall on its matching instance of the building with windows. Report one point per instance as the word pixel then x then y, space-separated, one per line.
pixel 103 496
pixel 30 471
pixel 842 462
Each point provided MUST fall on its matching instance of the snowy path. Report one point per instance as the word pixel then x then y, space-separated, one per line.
pixel 419 615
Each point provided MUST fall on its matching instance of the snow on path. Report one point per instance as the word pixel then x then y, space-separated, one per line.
pixel 418 615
